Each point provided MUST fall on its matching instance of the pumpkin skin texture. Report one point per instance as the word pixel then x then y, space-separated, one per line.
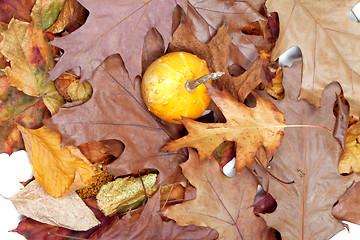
pixel 163 87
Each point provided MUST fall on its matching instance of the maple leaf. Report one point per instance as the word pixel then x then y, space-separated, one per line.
pixel 18 108
pixel 116 111
pixel 350 159
pixel 30 58
pixel 326 31
pixel 259 126
pixel 149 225
pixel 309 157
pixel 34 230
pixel 68 211
pixel 347 208
pixel 114 27
pixel 216 53
pixel 59 170
pixel 216 206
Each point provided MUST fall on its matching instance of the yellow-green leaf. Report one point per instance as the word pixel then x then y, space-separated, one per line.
pixel 124 193
pixel 30 58
pixel 45 13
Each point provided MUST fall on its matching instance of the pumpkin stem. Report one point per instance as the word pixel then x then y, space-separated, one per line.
pixel 191 85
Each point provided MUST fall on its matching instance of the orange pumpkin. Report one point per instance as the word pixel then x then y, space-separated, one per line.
pixel 164 88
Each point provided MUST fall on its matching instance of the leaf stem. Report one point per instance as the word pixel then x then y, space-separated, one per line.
pixel 191 85
pixel 267 170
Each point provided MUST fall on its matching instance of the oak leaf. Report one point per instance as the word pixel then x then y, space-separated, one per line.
pixel 309 157
pixel 114 27
pixel 327 31
pixel 216 53
pixel 17 108
pixel 204 18
pixel 250 128
pixel 59 170
pixel 30 58
pixel 350 159
pixel 149 225
pixel 347 209
pixel 216 206
pixel 68 211
pixel 116 111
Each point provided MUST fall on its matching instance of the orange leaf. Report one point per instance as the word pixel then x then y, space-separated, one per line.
pixel 58 169
pixel 251 128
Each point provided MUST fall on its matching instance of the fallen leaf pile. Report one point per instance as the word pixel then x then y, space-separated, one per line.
pixel 106 168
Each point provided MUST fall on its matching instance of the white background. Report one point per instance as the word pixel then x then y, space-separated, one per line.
pixel 16 168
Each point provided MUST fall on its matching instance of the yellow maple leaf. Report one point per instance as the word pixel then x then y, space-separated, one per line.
pixel 350 159
pixel 58 169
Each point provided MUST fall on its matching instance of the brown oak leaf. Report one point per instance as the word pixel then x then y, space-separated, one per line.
pixel 116 111
pixel 221 203
pixel 114 27
pixel 204 18
pixel 322 28
pixel 250 128
pixel 149 225
pixel 347 209
pixel 216 53
pixel 309 157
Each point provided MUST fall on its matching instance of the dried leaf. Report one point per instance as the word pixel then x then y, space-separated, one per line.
pixel 94 151
pixel 309 156
pixel 260 126
pixel 59 170
pixel 149 225
pixel 68 211
pixel 350 159
pixel 124 193
pixel 107 32
pixel 19 9
pixel 347 209
pixel 216 53
pixel 224 153
pixel 18 108
pixel 34 230
pixel 45 13
pixel 69 87
pixel 116 111
pixel 63 18
pixel 216 206
pixel 31 58
pixel 321 28
pixel 205 17
pixel 4 86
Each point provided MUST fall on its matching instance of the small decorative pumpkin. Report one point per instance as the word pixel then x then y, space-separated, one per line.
pixel 171 86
